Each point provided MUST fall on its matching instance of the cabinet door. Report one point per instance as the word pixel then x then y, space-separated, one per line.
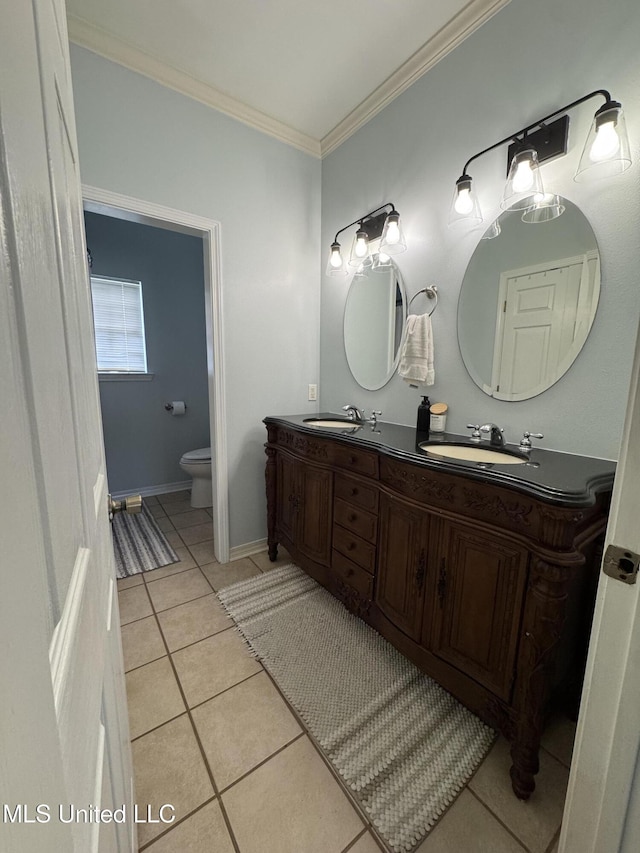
pixel 480 587
pixel 287 500
pixel 402 564
pixel 313 532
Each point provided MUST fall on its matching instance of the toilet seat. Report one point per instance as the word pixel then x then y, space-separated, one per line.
pixel 200 456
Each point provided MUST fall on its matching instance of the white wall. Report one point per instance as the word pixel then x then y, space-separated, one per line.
pixel 525 62
pixel 143 140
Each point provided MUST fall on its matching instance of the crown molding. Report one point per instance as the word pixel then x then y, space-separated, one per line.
pixel 469 19
pixel 99 41
pixel 111 47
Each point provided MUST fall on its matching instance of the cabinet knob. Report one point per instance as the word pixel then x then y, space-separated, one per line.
pixel 353 459
pixel 354 491
pixel 352 516
pixel 351 546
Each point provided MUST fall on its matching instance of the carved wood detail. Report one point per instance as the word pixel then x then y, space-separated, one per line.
pixel 303 445
pixel 414 483
pixel 495 506
pixel 271 486
pixel 351 598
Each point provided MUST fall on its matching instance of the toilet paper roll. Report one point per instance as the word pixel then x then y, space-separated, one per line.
pixel 178 407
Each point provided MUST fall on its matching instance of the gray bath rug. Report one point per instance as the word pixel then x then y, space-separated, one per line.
pixel 403 745
pixel 139 545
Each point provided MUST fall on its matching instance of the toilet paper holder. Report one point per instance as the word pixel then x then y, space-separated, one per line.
pixel 169 407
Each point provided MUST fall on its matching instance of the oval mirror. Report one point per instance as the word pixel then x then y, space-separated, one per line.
pixel 527 302
pixel 374 320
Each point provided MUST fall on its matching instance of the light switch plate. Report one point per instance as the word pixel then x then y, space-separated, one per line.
pixel 313 392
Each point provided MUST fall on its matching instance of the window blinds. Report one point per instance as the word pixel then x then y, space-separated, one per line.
pixel 119 325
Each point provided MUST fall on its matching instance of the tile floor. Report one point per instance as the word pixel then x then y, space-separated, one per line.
pixel 212 735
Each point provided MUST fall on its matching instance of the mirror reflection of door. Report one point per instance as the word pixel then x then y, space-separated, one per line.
pixel 528 301
pixel 543 315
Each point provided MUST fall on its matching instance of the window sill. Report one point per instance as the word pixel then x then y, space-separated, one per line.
pixel 125 377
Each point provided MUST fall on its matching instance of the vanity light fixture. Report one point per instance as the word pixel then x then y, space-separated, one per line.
pixel 606 152
pixel 380 223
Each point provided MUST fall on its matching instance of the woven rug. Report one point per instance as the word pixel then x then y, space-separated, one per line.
pixel 138 544
pixel 404 746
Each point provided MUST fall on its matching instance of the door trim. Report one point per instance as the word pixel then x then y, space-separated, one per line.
pixel 137 210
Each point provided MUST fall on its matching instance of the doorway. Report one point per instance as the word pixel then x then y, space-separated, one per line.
pixel 135 210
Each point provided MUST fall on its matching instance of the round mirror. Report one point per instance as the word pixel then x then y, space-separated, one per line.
pixel 528 300
pixel 374 320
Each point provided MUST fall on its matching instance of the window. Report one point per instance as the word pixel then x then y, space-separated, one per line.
pixel 118 319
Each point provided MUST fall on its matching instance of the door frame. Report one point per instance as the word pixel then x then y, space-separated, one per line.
pixel 97 200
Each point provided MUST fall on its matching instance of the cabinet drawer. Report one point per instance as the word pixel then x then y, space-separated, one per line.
pixel 356 492
pixel 357 549
pixel 352 574
pixel 357 520
pixel 354 459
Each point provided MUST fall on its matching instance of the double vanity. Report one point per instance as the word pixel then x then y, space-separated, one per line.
pixel 480 569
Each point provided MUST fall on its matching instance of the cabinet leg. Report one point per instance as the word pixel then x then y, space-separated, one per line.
pixel 544 617
pixel 524 768
pixel 273 551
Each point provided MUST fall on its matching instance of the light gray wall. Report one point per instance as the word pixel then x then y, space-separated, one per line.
pixel 143 140
pixel 143 442
pixel 528 60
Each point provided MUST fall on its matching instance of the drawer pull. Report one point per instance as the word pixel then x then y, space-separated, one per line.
pixel 352 516
pixel 354 491
pixel 351 546
pixel 353 459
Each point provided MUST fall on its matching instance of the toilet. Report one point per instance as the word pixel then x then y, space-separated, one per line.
pixel 197 464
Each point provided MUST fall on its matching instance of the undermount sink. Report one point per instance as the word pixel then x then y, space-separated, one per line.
pixel 336 423
pixel 469 453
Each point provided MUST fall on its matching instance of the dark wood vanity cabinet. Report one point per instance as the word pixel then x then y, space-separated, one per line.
pixel 304 506
pixel 402 565
pixel 480 589
pixel 487 589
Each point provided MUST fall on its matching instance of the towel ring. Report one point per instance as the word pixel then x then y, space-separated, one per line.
pixel 432 293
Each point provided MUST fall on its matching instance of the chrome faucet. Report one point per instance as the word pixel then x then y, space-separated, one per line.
pixel 373 420
pixel 353 412
pixel 497 438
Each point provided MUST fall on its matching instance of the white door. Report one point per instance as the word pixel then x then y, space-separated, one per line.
pixel 63 725
pixel 602 813
pixel 543 319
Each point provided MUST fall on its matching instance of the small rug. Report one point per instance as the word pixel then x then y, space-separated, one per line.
pixel 404 746
pixel 139 545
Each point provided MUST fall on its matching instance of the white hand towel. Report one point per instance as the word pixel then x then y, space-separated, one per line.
pixel 416 361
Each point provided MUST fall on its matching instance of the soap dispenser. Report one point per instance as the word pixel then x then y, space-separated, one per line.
pixel 424 417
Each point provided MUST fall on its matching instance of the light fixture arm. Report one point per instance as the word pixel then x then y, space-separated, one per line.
pixel 515 137
pixel 362 219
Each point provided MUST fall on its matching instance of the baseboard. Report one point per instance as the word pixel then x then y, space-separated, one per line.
pixel 247 549
pixel 148 491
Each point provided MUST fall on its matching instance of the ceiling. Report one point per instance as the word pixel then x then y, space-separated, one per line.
pixel 308 72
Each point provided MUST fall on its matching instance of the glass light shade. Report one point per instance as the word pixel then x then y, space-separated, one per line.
pixel 606 152
pixel 493 231
pixel 392 241
pixel 524 181
pixel 544 209
pixel 336 265
pixel 464 205
pixel 380 260
pixel 359 248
